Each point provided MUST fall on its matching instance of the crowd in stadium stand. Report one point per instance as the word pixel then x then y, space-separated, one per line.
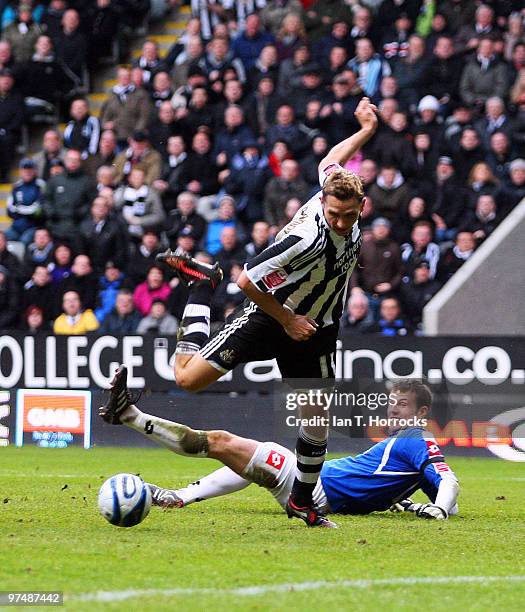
pixel 214 147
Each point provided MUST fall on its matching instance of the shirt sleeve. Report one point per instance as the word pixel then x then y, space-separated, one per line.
pixel 326 170
pixel 427 458
pixel 271 269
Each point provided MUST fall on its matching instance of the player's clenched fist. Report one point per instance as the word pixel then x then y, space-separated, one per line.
pixel 300 327
pixel 366 114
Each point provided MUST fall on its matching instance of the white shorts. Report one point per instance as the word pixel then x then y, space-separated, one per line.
pixel 273 467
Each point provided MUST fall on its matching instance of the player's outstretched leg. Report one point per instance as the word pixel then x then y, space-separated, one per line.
pixel 220 482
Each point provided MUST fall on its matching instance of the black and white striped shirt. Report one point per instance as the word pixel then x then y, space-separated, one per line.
pixel 308 267
pixel 239 8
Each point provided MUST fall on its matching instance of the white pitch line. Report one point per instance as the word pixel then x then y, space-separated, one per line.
pixel 108 596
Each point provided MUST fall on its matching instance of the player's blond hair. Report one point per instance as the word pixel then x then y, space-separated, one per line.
pixel 344 185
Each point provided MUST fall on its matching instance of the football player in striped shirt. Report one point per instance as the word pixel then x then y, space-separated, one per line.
pixel 379 479
pixel 296 290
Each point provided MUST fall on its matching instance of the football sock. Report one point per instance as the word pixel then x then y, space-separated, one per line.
pixel 195 327
pixel 178 438
pixel 310 451
pixel 221 482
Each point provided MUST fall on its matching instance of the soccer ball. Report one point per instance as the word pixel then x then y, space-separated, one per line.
pixel 124 500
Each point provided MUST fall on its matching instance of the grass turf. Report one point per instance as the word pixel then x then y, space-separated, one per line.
pixel 52 538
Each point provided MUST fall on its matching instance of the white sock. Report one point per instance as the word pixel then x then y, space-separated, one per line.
pixel 179 438
pixel 221 482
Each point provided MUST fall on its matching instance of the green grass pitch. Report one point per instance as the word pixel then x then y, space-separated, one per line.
pixel 52 538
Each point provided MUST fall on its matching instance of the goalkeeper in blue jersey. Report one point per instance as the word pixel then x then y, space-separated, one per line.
pixel 381 478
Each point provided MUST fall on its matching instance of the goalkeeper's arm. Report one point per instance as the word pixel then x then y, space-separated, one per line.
pixel 444 505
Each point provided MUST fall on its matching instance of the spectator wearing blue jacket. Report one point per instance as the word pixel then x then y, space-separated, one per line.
pixel 369 67
pixel 391 321
pixel 249 173
pixel 232 138
pixel 123 319
pixel 226 218
pixel 249 44
pixel 109 286
pixel 24 205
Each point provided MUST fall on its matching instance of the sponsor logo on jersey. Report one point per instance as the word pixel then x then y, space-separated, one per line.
pixel 433 449
pixel 274 279
pixel 276 460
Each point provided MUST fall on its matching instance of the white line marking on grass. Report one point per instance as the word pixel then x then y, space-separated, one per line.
pixel 249 591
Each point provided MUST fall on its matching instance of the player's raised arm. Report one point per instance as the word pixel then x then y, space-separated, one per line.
pixel 366 114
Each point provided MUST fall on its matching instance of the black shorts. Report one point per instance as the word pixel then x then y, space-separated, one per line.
pixel 251 335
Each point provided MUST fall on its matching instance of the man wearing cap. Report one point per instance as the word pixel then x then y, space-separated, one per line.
pixel 339 108
pixel 24 205
pixel 449 200
pixel 138 154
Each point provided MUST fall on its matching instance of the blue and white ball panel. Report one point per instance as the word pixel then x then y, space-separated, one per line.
pixel 124 500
